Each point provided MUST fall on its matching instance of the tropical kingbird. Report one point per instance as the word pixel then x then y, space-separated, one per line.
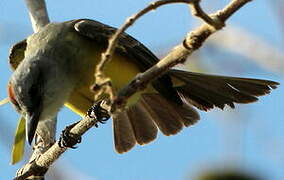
pixel 56 65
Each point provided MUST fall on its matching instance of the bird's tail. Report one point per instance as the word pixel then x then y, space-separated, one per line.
pixel 208 91
pixel 140 122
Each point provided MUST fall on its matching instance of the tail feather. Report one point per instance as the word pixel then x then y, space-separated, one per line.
pixel 189 115
pixel 216 90
pixel 167 119
pixel 252 88
pixel 185 114
pixel 139 122
pixel 206 91
pixel 124 138
pixel 142 123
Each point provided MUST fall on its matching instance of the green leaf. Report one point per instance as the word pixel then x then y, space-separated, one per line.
pixel 19 141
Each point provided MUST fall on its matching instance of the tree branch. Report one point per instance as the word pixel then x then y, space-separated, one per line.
pixel 38 13
pixel 197 11
pixel 192 42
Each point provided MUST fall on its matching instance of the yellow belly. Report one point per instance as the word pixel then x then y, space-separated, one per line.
pixel 120 70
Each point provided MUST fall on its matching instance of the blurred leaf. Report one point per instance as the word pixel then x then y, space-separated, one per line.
pixel 227 175
pixel 4 101
pixel 19 141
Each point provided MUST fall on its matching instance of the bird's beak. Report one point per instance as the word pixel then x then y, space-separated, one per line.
pixel 32 119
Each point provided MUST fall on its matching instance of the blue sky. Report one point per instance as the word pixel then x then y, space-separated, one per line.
pixel 250 137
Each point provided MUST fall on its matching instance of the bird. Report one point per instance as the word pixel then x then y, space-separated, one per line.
pixel 55 67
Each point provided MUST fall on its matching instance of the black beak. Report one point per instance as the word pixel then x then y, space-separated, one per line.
pixel 32 119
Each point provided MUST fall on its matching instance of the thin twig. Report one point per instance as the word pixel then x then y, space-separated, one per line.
pixel 198 12
pixel 38 13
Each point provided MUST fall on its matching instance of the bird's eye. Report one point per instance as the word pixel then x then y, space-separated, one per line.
pixel 12 97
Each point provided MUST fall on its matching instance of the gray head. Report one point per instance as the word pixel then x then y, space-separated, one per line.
pixel 46 76
pixel 25 91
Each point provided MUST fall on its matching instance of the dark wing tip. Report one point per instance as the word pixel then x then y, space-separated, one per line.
pixel 270 84
pixel 209 91
pixel 274 85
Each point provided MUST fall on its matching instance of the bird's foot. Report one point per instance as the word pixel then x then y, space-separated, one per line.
pixel 68 139
pixel 99 113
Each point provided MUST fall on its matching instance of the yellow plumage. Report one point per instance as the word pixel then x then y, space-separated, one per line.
pixel 120 70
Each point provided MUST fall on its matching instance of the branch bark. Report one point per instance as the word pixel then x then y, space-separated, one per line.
pixel 38 14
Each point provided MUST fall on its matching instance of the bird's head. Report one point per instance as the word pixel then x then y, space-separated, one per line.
pixel 25 91
pixel 48 71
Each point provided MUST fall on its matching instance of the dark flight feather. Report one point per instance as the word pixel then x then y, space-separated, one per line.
pixel 206 91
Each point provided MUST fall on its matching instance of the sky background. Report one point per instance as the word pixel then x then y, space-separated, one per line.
pixel 249 138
